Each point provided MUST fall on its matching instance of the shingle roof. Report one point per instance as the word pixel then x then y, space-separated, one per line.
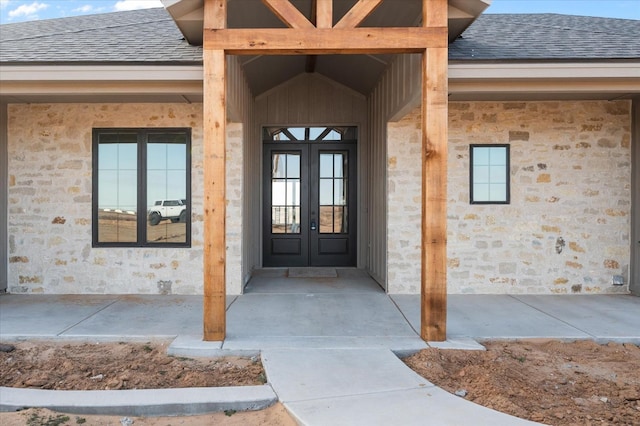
pixel 547 37
pixel 151 36
pixel 140 36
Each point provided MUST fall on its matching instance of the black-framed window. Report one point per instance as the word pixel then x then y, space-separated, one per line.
pixel 489 178
pixel 142 187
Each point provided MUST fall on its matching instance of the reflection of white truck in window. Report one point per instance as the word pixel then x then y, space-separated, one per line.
pixel 176 210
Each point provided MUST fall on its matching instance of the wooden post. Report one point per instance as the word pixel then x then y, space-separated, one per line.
pixel 214 135
pixel 434 180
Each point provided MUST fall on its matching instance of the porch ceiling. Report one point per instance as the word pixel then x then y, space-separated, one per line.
pixel 359 72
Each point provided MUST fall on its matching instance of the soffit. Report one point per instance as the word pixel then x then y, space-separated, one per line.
pixel 359 72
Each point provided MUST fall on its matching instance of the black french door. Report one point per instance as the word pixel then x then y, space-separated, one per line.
pixel 309 204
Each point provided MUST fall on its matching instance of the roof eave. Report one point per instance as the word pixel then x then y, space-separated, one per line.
pixel 189 16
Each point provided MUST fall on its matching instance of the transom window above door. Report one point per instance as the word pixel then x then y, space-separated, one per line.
pixel 310 134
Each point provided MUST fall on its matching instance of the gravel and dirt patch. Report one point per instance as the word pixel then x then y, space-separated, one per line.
pixel 556 383
pixel 552 382
pixel 115 366
pixel 274 415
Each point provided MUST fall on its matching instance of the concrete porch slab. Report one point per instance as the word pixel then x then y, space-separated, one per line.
pixel 365 314
pixel 604 318
pixel 135 316
pixel 46 316
pixel 484 317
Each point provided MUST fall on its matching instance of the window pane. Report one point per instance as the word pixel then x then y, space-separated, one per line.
pixel 127 156
pixel 498 174
pixel 498 156
pixel 497 192
pixel 480 156
pixel 116 227
pixel 156 156
pixel 117 193
pixel 480 192
pixel 298 133
pixel 481 174
pixel 166 190
pixel 316 132
pixel 332 136
pixel 108 156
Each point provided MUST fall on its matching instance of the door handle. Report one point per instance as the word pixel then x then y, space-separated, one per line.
pixel 313 225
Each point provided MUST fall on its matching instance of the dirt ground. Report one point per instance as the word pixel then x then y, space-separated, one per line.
pixel 551 382
pixel 101 366
pixel 66 366
pixel 274 415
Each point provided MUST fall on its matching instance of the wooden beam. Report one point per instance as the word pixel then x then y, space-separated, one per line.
pixel 434 181
pixel 215 14
pixel 273 41
pixel 288 14
pixel 312 60
pixel 214 139
pixel 324 13
pixel 358 13
pixel 435 13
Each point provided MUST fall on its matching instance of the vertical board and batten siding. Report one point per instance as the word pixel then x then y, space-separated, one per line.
pixel 306 100
pixel 240 179
pixel 396 94
pixel 634 284
pixel 4 184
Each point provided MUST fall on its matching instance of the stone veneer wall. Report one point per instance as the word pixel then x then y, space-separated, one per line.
pixel 567 228
pixel 50 204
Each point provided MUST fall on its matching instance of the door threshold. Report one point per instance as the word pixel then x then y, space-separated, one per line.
pixel 313 272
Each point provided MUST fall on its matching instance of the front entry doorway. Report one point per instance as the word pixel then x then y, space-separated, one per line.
pixel 309 193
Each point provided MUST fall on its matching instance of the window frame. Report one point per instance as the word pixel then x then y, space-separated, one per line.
pixel 507 167
pixel 141 182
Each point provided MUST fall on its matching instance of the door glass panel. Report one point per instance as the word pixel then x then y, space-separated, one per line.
pixel 338 165
pixel 279 169
pixel 326 192
pixel 333 192
pixel 285 193
pixel 326 220
pixel 326 165
pixel 293 166
pixel 340 220
pixel 339 192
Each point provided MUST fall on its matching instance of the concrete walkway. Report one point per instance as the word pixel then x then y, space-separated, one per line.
pixel 327 344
